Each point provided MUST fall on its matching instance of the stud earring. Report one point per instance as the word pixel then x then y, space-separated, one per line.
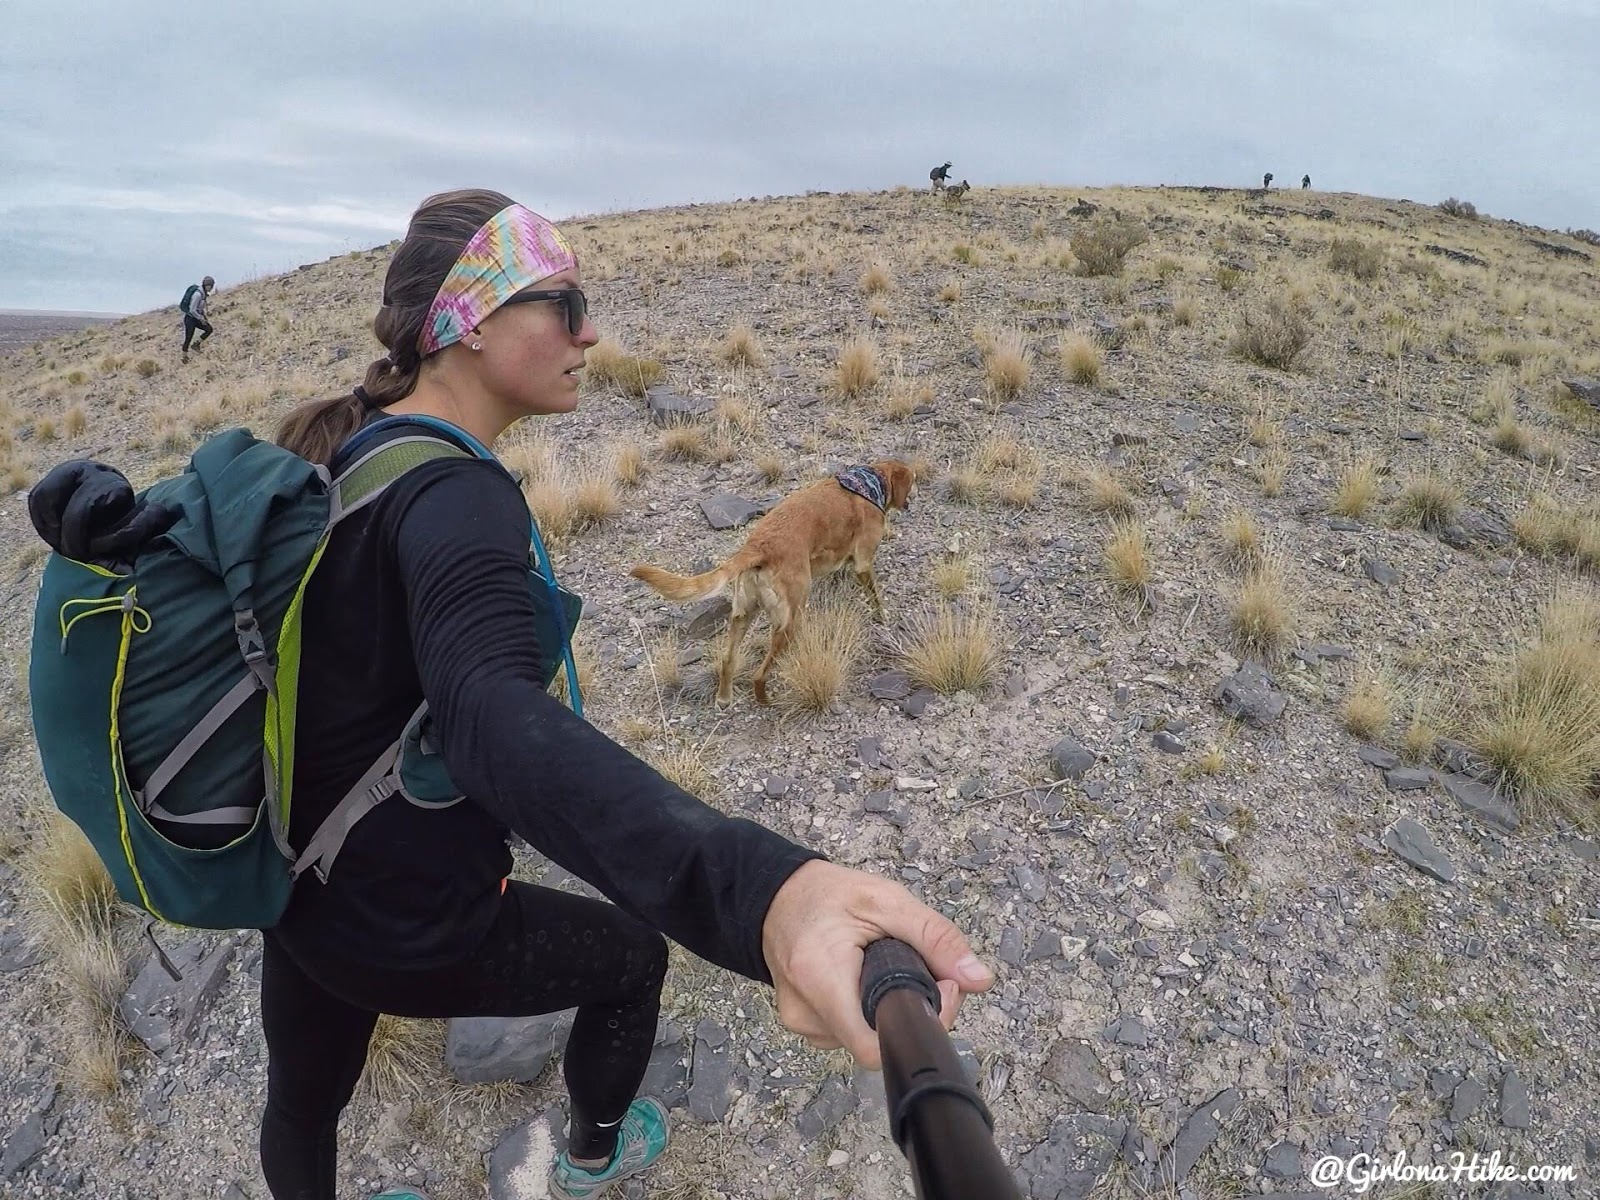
pixel 477 345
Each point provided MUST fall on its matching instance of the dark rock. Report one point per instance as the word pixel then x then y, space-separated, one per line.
pixel 1460 256
pixel 727 511
pixel 1481 801
pixel 1010 951
pixel 158 1009
pixel 23 1146
pixel 1344 525
pixel 834 1101
pixel 709 1096
pixel 1514 1102
pixel 1378 756
pixel 1071 759
pixel 1466 1100
pixel 1074 1068
pixel 1407 779
pixel 1380 572
pixel 1283 1162
pixel 1046 945
pixel 890 685
pixel 1196 1136
pixel 667 407
pixel 707 617
pixel 1070 1164
pixel 1130 1031
pixel 1333 653
pixel 18 952
pixel 1188 423
pixel 1474 947
pixel 1412 435
pixel 1106 958
pixel 917 702
pixel 494 1049
pixel 525 1152
pixel 1029 883
pixel 1124 438
pixel 1015 685
pixel 1249 694
pixel 1458 758
pixel 1168 743
pixel 667 1076
pixel 1586 390
pixel 869 751
pixel 777 786
pixel 1442 1084
pixel 1471 529
pixel 1411 842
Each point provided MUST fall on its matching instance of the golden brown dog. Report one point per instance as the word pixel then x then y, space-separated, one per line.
pixel 811 533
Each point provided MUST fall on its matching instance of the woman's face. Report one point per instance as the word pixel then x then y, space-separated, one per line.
pixel 530 358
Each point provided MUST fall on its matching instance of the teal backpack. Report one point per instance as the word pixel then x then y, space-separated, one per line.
pixel 163 700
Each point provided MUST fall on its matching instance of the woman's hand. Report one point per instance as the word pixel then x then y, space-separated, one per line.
pixel 816 928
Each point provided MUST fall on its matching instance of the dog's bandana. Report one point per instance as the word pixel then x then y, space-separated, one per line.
pixel 515 248
pixel 867 483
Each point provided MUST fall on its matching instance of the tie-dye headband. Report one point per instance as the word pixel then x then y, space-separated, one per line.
pixel 515 248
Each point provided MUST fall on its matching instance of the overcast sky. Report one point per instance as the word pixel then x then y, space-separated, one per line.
pixel 145 144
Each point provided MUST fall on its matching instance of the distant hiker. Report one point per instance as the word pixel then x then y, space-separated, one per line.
pixel 193 308
pixel 1266 180
pixel 939 175
pixel 1305 181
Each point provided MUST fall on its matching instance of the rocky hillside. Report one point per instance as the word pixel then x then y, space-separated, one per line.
pixel 1239 692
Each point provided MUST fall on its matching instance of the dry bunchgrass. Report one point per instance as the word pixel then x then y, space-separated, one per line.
pixel 71 906
pixel 146 367
pixel 686 441
pixel 1184 310
pixel 1100 247
pixel 606 365
pixel 740 348
pixel 1429 500
pixel 1081 359
pixel 205 415
pixel 666 660
pixel 74 421
pixel 1273 335
pixel 951 648
pixel 583 658
pixel 1259 610
pixel 967 484
pixel 1368 706
pixel 857 369
pixel 1498 401
pixel 1357 488
pixel 950 292
pixel 44 429
pixel 1538 721
pixel 1127 558
pixel 1364 260
pixel 566 502
pixel 770 466
pixel 1008 364
pixel 736 414
pixel 1273 469
pixel 1550 529
pixel 688 765
pixel 1241 540
pixel 954 575
pixel 875 280
pixel 629 464
pixel 1510 437
pixel 1018 488
pixel 405 1059
pixel 822 655
pixel 1106 493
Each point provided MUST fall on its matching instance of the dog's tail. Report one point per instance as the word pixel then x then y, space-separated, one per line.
pixel 697 587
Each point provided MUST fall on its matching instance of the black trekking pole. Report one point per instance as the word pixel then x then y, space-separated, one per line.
pixel 938 1119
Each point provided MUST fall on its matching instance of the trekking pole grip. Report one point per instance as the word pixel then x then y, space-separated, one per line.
pixel 937 1117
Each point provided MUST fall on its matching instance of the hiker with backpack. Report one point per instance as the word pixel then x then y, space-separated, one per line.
pixel 359 613
pixel 193 309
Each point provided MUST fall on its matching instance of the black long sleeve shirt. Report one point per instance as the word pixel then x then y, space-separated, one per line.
pixel 425 593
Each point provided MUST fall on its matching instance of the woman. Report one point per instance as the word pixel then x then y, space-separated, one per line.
pixel 425 594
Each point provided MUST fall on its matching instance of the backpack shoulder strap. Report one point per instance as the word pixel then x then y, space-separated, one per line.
pixel 370 474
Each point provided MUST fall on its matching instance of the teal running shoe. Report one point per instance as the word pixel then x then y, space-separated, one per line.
pixel 641 1139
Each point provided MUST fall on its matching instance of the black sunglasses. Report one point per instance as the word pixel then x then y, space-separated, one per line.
pixel 572 299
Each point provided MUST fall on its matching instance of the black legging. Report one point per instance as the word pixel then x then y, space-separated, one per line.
pixel 190 324
pixel 545 952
